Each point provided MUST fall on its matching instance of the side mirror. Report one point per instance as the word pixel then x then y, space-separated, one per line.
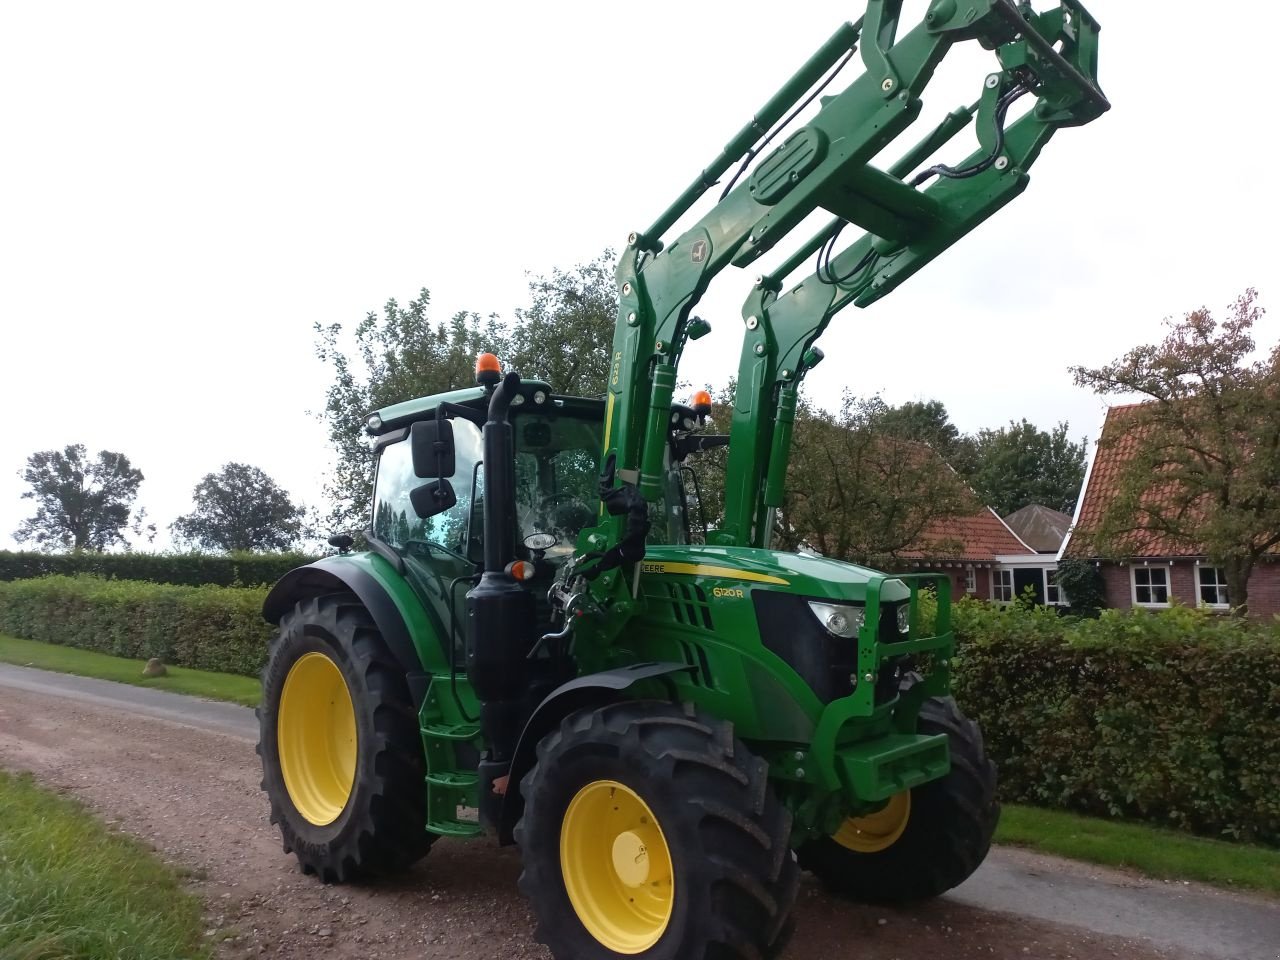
pixel 432 445
pixel 432 498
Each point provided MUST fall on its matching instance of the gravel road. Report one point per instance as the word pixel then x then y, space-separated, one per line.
pixel 183 775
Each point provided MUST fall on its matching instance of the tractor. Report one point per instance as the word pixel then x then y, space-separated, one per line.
pixel 537 643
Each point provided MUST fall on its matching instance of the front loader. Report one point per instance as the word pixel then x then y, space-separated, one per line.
pixel 532 647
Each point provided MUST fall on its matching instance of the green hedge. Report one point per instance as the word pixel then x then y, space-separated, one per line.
pixel 1172 717
pixel 189 569
pixel 210 628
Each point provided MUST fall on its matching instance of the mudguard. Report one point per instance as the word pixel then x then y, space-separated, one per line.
pixel 340 574
pixel 592 689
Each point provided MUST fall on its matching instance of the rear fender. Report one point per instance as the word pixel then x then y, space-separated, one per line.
pixel 383 592
pixel 592 689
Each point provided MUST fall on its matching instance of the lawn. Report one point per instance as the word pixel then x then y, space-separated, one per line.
pixel 1164 854
pixel 87 663
pixel 70 887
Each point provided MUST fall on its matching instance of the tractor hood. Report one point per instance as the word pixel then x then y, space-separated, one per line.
pixel 788 572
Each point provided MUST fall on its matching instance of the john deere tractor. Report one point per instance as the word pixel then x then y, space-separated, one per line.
pixel 533 647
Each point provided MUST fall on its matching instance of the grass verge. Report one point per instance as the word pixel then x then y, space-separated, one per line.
pixel 1156 852
pixel 87 663
pixel 69 887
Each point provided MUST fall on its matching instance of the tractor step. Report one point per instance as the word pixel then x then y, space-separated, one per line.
pixel 448 742
pixel 455 828
pixel 448 792
pixel 451 731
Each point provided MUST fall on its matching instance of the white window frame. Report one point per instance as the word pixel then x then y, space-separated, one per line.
pixel 997 584
pixel 970 580
pixel 1062 600
pixel 1133 586
pixel 1218 586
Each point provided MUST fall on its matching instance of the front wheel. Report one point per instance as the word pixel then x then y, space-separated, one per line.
pixel 342 762
pixel 649 829
pixel 924 841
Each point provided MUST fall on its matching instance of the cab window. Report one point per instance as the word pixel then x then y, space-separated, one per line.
pixel 557 476
pixel 394 520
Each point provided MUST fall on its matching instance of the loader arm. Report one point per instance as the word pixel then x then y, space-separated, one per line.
pixel 826 164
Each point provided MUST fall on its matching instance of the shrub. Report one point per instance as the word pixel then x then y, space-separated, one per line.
pixel 211 628
pixel 1168 716
pixel 189 569
pixel 1082 583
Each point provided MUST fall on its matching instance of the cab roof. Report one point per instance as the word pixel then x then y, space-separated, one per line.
pixel 477 398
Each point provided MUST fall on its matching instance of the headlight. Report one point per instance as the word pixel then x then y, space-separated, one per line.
pixel 904 618
pixel 839 619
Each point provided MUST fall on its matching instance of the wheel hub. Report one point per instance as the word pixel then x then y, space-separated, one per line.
pixel 876 831
pixel 617 867
pixel 316 738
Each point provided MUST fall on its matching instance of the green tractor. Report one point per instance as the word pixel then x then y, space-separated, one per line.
pixel 532 646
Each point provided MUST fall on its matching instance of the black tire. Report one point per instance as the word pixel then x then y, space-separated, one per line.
pixel 381 827
pixel 735 878
pixel 948 831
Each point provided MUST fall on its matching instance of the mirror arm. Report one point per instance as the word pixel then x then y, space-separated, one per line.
pixel 466 413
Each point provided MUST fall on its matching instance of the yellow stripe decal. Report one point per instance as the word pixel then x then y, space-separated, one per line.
pixel 608 428
pixel 608 422
pixel 706 570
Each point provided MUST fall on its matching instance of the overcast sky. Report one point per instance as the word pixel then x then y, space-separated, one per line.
pixel 188 188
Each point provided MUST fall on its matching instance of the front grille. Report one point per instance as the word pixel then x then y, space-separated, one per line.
pixel 826 663
pixel 689 604
pixel 789 628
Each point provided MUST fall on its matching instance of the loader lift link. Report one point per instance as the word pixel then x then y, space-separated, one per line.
pixel 906 228
pixel 675 720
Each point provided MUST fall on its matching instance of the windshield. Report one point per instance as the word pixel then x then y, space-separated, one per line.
pixel 557 460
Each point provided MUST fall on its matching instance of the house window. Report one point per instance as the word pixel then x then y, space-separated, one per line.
pixel 1150 586
pixel 1053 594
pixel 1213 586
pixel 970 581
pixel 1002 585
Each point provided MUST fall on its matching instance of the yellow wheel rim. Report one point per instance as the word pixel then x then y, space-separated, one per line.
pixel 316 738
pixel 617 867
pixel 876 831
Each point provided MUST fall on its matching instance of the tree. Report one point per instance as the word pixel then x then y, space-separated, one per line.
pixel 1021 464
pixel 858 492
pixel 564 336
pixel 928 422
pixel 398 356
pixel 82 504
pixel 240 508
pixel 1202 461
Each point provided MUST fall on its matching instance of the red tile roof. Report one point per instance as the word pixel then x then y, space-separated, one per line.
pixel 980 537
pixel 1117 445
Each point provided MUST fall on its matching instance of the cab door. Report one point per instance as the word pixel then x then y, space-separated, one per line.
pixel 440 553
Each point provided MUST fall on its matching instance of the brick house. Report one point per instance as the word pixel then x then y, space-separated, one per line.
pixel 1158 568
pixel 983 558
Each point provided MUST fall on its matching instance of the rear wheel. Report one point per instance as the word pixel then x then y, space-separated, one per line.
pixel 649 829
pixel 924 841
pixel 341 758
